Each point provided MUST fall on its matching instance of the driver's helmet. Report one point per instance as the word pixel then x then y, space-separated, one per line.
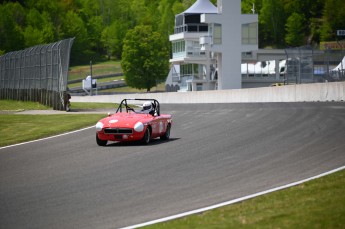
pixel 147 107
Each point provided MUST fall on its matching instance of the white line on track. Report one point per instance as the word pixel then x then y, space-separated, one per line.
pixel 232 201
pixel 42 139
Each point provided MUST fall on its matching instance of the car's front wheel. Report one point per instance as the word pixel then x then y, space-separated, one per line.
pixel 147 136
pixel 166 135
pixel 101 142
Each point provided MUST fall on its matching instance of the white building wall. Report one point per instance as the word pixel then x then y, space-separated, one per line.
pixel 229 53
pixel 230 78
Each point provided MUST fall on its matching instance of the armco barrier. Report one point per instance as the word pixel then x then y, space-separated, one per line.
pixel 322 92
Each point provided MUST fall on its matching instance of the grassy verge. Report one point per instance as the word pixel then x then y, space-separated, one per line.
pixel 80 84
pixel 315 204
pixel 104 68
pixel 85 106
pixel 12 105
pixel 160 87
pixel 21 128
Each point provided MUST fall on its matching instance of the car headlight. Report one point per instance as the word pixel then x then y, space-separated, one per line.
pixel 99 126
pixel 139 126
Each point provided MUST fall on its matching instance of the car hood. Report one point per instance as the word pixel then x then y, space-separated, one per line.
pixel 125 120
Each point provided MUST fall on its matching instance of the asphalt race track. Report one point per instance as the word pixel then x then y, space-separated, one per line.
pixel 218 152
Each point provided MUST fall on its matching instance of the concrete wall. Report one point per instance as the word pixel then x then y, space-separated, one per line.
pixel 334 91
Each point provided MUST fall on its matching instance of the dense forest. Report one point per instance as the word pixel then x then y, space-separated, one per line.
pixel 100 26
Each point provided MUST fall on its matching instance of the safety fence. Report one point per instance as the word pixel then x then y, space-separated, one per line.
pixel 300 65
pixel 308 65
pixel 37 74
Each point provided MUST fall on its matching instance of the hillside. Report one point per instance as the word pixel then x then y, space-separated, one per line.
pixel 101 26
pixel 109 78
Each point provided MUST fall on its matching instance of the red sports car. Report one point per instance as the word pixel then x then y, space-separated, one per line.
pixel 132 124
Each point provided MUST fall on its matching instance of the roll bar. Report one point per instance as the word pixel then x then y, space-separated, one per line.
pixel 124 103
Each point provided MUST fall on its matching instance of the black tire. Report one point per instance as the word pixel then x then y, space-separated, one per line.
pixel 166 135
pixel 101 142
pixel 147 136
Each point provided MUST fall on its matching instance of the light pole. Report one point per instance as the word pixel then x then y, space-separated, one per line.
pixel 91 77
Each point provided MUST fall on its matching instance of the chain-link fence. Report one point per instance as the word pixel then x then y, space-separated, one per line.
pixel 308 65
pixel 37 74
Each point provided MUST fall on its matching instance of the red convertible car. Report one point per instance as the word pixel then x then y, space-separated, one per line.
pixel 131 123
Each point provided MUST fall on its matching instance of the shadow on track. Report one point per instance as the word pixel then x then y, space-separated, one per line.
pixel 153 142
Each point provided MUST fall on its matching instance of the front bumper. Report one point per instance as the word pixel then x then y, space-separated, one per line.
pixel 119 134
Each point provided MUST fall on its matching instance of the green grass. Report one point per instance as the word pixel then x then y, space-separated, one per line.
pixel 160 87
pixel 80 105
pixel 21 128
pixel 38 126
pixel 104 68
pixel 80 84
pixel 316 204
pixel 12 105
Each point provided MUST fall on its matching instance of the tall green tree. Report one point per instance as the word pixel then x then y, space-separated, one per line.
pixel 177 8
pixel 112 39
pixel 89 8
pixel 166 24
pixel 333 19
pixel 73 26
pixel 295 26
pixel 55 9
pixel 138 12
pixel 39 29
pixel 145 58
pixel 247 6
pixel 272 22
pixel 94 28
pixel 11 34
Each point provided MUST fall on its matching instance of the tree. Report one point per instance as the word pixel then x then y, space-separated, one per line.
pixel 295 30
pixel 54 9
pixel 112 39
pixel 333 19
pixel 11 37
pixel 73 26
pixel 166 24
pixel 39 30
pixel 187 3
pixel 247 6
pixel 177 8
pixel 272 22
pixel 145 58
pixel 30 22
pixel 138 13
pixel 326 32
pixel 94 29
